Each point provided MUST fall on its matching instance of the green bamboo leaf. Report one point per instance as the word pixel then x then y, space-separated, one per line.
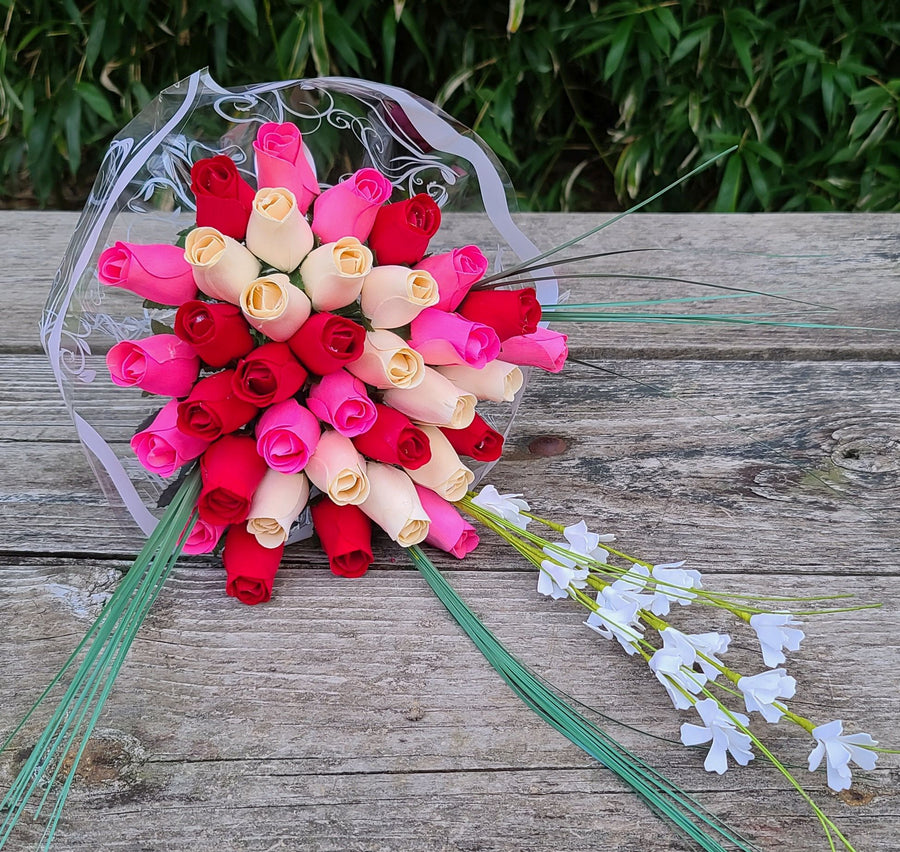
pixel 516 13
pixel 687 45
pixel 740 40
pixel 730 188
pixel 621 40
pixel 95 35
pixel 246 9
pixel 318 40
pixel 71 112
pixel 388 42
pixel 96 100
pixel 864 120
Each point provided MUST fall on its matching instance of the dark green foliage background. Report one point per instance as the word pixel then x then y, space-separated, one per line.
pixel 590 105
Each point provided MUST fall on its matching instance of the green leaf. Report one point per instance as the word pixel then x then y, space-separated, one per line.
pixel 863 121
pixel 730 188
pixel 620 41
pixel 72 123
pixel 686 46
pixel 318 40
pixel 388 42
pixel 96 100
pixel 247 10
pixel 516 13
pixel 741 42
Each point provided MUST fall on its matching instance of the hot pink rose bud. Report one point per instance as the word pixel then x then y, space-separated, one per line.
pixel 286 436
pixel 542 348
pixel 162 447
pixel 281 161
pixel 340 400
pixel 161 364
pixel 442 338
pixel 455 272
pixel 348 209
pixel 449 531
pixel 203 537
pixel 156 272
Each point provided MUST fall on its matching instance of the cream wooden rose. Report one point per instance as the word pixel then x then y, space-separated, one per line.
pixel 333 274
pixel 388 362
pixel 497 380
pixel 338 470
pixel 394 505
pixel 274 306
pixel 444 474
pixel 277 231
pixel 277 502
pixel 393 296
pixel 435 400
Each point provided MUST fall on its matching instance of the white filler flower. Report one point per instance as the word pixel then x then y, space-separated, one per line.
pixel 839 750
pixel 719 728
pixel 762 690
pixel 775 632
pixel 507 506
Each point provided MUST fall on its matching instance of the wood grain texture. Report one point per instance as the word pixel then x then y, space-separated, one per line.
pixel 356 716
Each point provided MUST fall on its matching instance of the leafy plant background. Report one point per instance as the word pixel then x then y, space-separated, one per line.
pixel 590 105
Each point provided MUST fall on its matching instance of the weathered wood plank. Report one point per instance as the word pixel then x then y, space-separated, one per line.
pixel 366 720
pixel 734 455
pixel 846 261
pixel 355 715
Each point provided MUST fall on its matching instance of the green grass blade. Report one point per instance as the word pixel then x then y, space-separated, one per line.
pixel 660 794
pixel 105 647
pixel 562 246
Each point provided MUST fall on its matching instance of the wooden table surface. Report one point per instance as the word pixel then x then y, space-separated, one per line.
pixel 355 715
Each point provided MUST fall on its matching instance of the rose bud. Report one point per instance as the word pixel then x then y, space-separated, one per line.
pixel 250 568
pixel 277 503
pixel 281 161
pixel 448 531
pixel 160 364
pixel 442 338
pixel 477 440
pixel 333 274
pixel 348 208
pixel 224 198
pixel 496 381
pixel 388 362
pixel 341 401
pixel 346 536
pixel 287 435
pixel 155 272
pixel 393 439
pixel 444 473
pixel 278 232
pixel 222 266
pixel 274 306
pixel 455 272
pixel 542 348
pixel 394 506
pixel 216 330
pixel 212 409
pixel 393 296
pixel 509 312
pixel 327 342
pixel 436 400
pixel 162 447
pixel 402 231
pixel 336 469
pixel 269 374
pixel 230 471
pixel 203 537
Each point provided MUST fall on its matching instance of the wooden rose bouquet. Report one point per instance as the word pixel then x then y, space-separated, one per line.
pixel 298 361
